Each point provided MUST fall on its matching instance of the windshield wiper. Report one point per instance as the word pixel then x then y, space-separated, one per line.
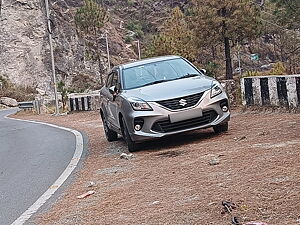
pixel 189 75
pixel 155 82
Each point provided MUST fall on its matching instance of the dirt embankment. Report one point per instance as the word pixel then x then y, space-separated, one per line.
pixel 171 181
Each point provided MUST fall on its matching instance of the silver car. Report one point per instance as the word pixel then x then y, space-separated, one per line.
pixel 161 96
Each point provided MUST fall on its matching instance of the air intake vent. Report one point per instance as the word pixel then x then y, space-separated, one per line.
pixel 166 126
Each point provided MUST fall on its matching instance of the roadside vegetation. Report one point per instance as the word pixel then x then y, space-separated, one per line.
pixel 18 92
pixel 216 34
pixel 89 20
pixel 227 38
pixel 230 39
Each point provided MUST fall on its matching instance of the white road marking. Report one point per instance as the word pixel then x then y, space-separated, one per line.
pixel 63 177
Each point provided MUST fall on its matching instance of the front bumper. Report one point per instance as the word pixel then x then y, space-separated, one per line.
pixel 161 116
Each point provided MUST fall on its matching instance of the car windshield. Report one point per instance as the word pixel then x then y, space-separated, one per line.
pixel 157 72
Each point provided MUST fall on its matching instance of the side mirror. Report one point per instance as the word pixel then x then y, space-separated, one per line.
pixel 203 71
pixel 112 90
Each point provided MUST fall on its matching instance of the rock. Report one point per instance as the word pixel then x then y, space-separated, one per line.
pixel 8 101
pixel 3 106
pixel 91 184
pixel 40 91
pixel 214 161
pixel 24 37
pixel 126 156
pixel 263 133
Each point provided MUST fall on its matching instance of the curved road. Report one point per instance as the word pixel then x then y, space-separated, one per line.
pixel 32 157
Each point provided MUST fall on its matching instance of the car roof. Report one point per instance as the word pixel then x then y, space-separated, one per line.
pixel 146 61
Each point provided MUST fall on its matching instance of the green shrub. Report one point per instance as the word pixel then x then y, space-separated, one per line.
pixel 128 39
pixel 136 27
pixel 18 92
pixel 64 93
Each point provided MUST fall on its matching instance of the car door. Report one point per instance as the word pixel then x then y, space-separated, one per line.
pixel 113 98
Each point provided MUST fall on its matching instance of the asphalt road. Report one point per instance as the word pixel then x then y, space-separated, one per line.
pixel 32 157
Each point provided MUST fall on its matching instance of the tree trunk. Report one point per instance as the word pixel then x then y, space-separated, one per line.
pixel 229 75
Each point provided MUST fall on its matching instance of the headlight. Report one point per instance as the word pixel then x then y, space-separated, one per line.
pixel 216 89
pixel 139 104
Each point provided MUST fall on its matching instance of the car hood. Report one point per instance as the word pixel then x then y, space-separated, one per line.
pixel 171 89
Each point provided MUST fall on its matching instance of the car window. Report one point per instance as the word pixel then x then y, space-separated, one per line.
pixel 115 79
pixel 108 80
pixel 166 70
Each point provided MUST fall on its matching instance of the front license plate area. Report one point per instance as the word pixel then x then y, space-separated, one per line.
pixel 185 115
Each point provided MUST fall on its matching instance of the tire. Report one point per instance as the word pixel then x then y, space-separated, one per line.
pixel 110 134
pixel 221 128
pixel 131 145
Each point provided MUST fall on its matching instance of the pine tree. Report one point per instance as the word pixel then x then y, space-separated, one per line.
pixel 175 38
pixel 89 20
pixel 91 17
pixel 288 13
pixel 282 20
pixel 225 22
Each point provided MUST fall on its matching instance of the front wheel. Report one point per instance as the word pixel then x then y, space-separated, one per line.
pixel 131 145
pixel 221 128
pixel 110 134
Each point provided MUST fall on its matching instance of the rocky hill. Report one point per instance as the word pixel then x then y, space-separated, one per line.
pixel 24 48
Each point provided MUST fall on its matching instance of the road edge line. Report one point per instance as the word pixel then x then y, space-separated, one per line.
pixel 62 178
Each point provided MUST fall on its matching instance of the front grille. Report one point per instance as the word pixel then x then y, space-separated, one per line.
pixel 174 104
pixel 166 126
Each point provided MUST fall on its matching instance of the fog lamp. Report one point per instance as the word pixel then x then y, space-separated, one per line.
pixel 137 127
pixel 138 123
pixel 224 108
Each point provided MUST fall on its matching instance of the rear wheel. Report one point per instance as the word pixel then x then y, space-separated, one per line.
pixel 221 128
pixel 131 145
pixel 110 134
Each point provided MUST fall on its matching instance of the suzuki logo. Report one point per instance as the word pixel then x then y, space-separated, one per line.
pixel 182 102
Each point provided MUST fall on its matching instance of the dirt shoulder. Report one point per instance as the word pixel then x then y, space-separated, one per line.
pixel 170 181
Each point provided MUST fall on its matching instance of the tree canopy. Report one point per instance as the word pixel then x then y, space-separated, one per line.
pixel 90 17
pixel 288 12
pixel 225 22
pixel 175 38
pixel 89 20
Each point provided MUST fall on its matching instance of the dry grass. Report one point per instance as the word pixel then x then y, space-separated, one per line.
pixel 170 181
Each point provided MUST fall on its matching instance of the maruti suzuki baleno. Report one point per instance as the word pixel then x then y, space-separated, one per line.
pixel 161 96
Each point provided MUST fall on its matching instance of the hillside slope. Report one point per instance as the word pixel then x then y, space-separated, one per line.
pixel 24 48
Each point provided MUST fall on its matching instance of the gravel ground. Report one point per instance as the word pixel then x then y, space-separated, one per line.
pixel 171 181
